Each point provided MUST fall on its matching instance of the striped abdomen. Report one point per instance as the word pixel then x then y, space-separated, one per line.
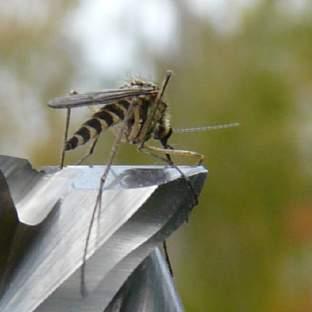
pixel 107 116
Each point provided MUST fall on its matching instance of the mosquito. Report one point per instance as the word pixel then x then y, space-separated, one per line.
pixel 136 113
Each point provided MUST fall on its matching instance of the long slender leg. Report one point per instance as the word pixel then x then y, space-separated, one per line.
pixel 98 205
pixel 68 111
pixel 150 118
pixel 150 150
pixel 169 161
pixel 90 151
pixel 174 152
pixel 167 257
pixel 155 151
pixel 98 202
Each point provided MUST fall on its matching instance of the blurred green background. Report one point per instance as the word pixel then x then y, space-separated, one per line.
pixel 248 245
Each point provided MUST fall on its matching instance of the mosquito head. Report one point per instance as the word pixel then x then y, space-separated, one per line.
pixel 162 133
pixel 165 138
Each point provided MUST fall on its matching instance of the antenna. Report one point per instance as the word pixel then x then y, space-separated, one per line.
pixel 207 128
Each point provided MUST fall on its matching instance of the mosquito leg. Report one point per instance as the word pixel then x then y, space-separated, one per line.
pixel 83 289
pixel 90 151
pixel 167 257
pixel 98 205
pixel 171 163
pixel 98 202
pixel 150 118
pixel 167 146
pixel 169 151
pixel 150 150
pixel 68 111
pixel 198 158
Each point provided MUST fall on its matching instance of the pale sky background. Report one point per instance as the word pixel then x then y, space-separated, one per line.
pixel 119 22
pixel 109 42
pixel 110 47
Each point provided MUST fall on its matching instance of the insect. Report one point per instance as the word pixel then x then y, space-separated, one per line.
pixel 137 106
pixel 135 113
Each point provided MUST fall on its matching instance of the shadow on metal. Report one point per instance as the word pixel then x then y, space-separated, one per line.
pixel 44 218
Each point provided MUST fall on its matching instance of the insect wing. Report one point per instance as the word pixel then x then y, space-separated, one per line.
pixel 98 98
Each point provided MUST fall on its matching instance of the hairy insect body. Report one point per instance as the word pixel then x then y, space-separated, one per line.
pixel 112 115
pixel 103 119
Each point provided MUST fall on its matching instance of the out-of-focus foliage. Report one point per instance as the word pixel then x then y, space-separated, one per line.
pixel 248 244
pixel 34 65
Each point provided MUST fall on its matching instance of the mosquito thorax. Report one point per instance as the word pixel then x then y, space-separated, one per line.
pixel 141 84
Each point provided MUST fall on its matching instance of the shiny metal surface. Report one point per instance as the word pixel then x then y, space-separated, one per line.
pixel 149 288
pixel 46 215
